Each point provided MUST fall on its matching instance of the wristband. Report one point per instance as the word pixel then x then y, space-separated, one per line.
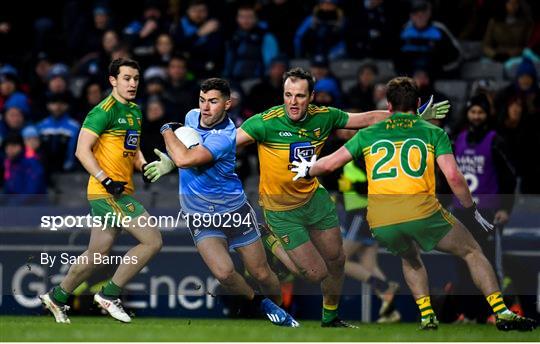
pixel 99 174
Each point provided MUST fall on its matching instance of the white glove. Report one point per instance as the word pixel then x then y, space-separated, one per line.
pixel 157 169
pixel 433 111
pixel 302 167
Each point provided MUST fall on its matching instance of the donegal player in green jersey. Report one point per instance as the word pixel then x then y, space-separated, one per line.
pixel 300 213
pixel 108 148
pixel 403 211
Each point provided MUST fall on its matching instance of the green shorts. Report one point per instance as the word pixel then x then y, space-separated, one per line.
pixel 122 206
pixel 291 226
pixel 427 232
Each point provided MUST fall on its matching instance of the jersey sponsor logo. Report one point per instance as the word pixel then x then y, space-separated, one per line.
pixel 122 121
pixel 285 134
pixel 131 140
pixel 301 149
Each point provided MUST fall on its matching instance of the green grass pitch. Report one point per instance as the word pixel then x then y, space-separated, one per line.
pixel 43 328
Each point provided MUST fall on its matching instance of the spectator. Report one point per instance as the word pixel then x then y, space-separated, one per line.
pixel 360 96
pixel 264 94
pixel 281 16
pixel 58 133
pixel 12 123
pixel 9 93
pixel 201 37
pixel 154 81
pixel 154 118
pixel 22 176
pixel 320 69
pixel 181 92
pixel 327 93
pixel 372 30
pixel 427 44
pixel 322 32
pixel 508 31
pixel 92 94
pixel 251 48
pixel 519 131
pixel 163 51
pixel 38 80
pixel 142 33
pixel 525 86
pixel 88 39
pixel 32 144
pixel 58 79
pixel 482 157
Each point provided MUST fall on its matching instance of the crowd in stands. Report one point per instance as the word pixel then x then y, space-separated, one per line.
pixel 54 58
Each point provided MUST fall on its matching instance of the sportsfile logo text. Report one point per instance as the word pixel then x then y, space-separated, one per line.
pixel 110 219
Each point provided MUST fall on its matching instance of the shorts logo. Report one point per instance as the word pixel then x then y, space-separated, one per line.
pixel 130 207
pixel 301 149
pixel 131 140
pixel 285 239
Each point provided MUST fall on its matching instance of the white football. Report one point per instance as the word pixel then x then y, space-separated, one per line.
pixel 188 136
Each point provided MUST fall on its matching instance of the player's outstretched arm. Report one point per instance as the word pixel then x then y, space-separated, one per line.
pixel 328 164
pixel 183 157
pixel 242 138
pixel 455 179
pixel 358 120
pixel 458 184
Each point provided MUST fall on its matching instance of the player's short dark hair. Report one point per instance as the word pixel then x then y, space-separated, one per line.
pixel 299 73
pixel 193 3
pixel 403 94
pixel 114 66
pixel 217 84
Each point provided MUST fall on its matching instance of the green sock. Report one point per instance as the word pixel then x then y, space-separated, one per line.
pixel 111 289
pixel 60 294
pixel 329 313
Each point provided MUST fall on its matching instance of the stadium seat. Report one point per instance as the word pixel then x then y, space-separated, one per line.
pixel 346 85
pixel 386 70
pixel 454 89
pixel 482 70
pixel 345 69
pixel 248 84
pixel 472 50
pixel 302 63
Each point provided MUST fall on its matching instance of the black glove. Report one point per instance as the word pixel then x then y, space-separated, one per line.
pixel 112 187
pixel 473 214
pixel 171 125
pixel 145 179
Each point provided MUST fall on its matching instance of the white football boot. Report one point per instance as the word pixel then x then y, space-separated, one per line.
pixel 113 307
pixel 58 310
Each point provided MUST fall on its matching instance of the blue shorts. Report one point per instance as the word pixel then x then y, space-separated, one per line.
pixel 239 227
pixel 354 227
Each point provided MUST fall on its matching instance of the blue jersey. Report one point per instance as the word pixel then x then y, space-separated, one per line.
pixel 215 187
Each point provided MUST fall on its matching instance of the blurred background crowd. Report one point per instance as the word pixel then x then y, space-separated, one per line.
pixel 482 55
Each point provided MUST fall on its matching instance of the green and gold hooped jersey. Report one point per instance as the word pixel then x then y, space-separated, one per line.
pixel 118 128
pixel 400 155
pixel 282 141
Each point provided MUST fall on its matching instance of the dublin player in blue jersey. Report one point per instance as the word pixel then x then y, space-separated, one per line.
pixel 213 201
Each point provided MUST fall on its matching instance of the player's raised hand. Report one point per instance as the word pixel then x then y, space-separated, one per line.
pixel 433 111
pixel 301 168
pixel 156 169
pixel 474 214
